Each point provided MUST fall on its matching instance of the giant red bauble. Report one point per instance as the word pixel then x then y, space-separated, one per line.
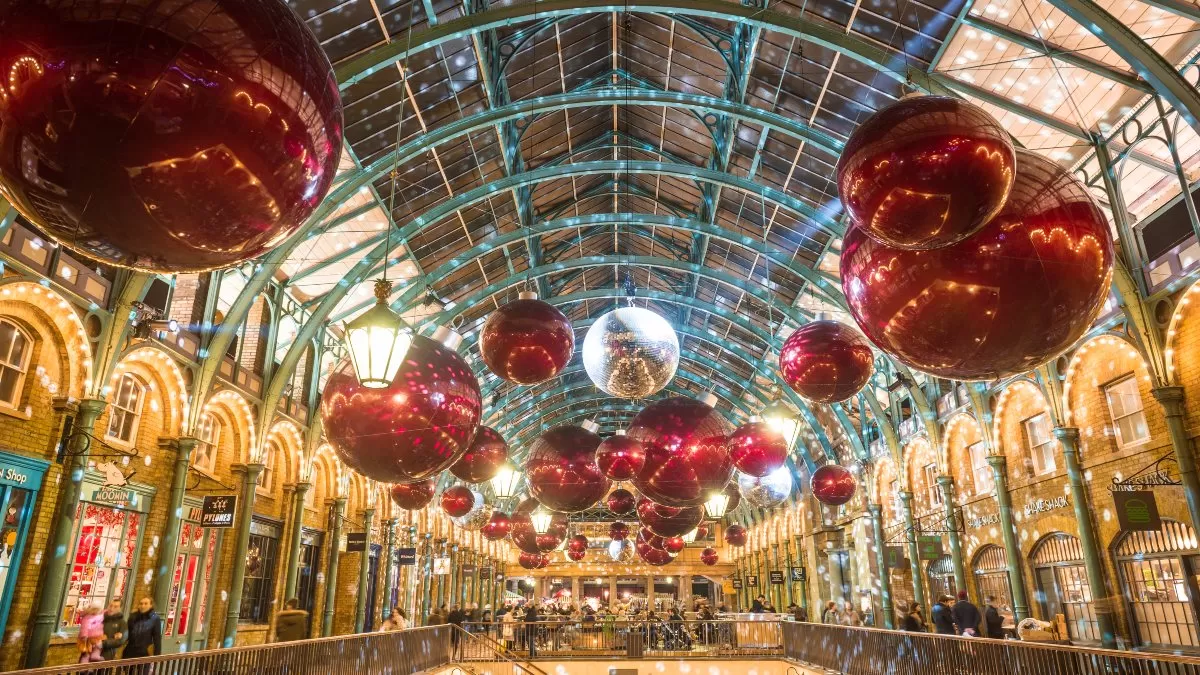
pixel 646 536
pixel 650 554
pixel 522 533
pixel 825 362
pixel 553 537
pixel 1005 300
pixel 527 341
pixel 669 521
pixel 527 505
pixel 457 501
pixel 621 501
pixel 533 561
pixel 735 535
pixel 414 496
pixel 497 528
pixel 577 543
pixel 735 497
pixel 686 454
pixel 576 554
pixel 833 485
pixel 757 448
pixel 709 556
pixel 674 545
pixel 483 458
pixel 925 172
pixel 562 471
pixel 620 457
pixel 618 531
pixel 165 137
pixel 701 531
pixel 412 429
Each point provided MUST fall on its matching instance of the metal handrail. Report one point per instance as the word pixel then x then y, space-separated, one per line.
pixel 499 652
pixel 574 638
pixel 875 651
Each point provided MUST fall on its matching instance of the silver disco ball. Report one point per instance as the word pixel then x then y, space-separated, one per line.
pixel 621 550
pixel 477 517
pixel 766 492
pixel 631 352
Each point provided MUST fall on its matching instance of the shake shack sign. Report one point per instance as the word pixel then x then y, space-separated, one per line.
pixel 1043 505
pixel 983 521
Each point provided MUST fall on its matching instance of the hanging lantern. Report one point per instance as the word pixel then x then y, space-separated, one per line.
pixel 784 421
pixel 527 341
pixel 522 533
pixel 717 504
pixel 377 341
pixel 826 361
pixel 709 556
pixel 735 535
pixel 631 352
pixel 506 484
pixel 690 537
pixel 757 448
pixel 833 485
pixel 541 519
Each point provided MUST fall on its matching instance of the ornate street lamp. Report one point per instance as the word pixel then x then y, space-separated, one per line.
pixel 378 340
pixel 542 518
pixel 716 505
pixel 690 537
pixel 506 484
pixel 781 418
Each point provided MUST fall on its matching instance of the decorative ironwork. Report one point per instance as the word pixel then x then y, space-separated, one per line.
pixel 1164 471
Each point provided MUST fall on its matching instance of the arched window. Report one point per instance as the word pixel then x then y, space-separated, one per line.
pixel 981 471
pixel 208 433
pixel 1127 411
pixel 126 410
pixel 15 350
pixel 266 479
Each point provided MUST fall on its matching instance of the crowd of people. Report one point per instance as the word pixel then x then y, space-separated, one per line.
pixel 957 617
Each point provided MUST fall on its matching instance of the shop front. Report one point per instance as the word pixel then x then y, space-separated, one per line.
pixel 1061 585
pixel 990 569
pixel 308 575
pixel 188 613
pixel 20 480
pixel 1159 573
pixel 940 574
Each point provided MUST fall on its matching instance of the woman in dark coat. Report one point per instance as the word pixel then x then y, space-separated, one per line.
pixel 145 631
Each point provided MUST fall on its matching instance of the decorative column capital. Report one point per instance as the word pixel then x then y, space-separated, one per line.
pixel 1067 434
pixel 906 496
pixel 1171 399
pixel 302 487
pixel 945 482
pixel 876 510
pixel 998 462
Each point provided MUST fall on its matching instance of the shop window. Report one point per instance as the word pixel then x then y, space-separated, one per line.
pixel 1157 570
pixel 261 555
pixel 1062 586
pixel 991 578
pixel 931 487
pixel 106 541
pixel 940 574
pixel 1040 441
pixel 980 469
pixel 266 477
pixel 208 433
pixel 126 410
pixel 1128 415
pixel 15 350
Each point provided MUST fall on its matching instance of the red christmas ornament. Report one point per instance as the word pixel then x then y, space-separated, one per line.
pixel 651 555
pixel 497 528
pixel 136 140
pixel 527 505
pixel 709 556
pixel 735 535
pixel 457 501
pixel 527 341
pixel 686 453
pixel 522 533
pixel 577 543
pixel 825 362
pixel 668 521
pixel 553 538
pixel 621 501
pixel 1006 300
pixel 618 531
pixel 414 496
pixel 576 555
pixel 926 172
pixel 533 561
pixel 702 531
pixel 414 428
pixel 562 471
pixel 757 449
pixel 674 545
pixel 483 459
pixel 833 485
pixel 620 457
pixel 646 536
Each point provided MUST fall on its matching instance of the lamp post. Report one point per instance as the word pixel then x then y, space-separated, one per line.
pixel 377 341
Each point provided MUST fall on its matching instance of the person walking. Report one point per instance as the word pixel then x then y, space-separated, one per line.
pixel 455 618
pixel 145 631
pixel 759 606
pixel 291 623
pixel 531 628
pixel 992 619
pixel 90 640
pixel 830 613
pixel 913 622
pixel 943 617
pixel 437 617
pixel 966 616
pixel 508 622
pixel 115 630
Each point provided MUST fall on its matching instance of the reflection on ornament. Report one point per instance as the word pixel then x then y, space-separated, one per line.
pixel 766 492
pixel 497 528
pixel 527 341
pixel 686 451
pixel 735 535
pixel 621 501
pixel 483 459
pixel 826 361
pixel 458 500
pixel 479 515
pixel 620 457
pixel 618 530
pixel 631 352
pixel 709 556
pixel 562 472
pixel 833 485
pixel 621 550
pixel 413 496
pixel 757 448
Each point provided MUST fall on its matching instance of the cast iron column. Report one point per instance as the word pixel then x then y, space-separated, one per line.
pixel 238 576
pixel 364 571
pixel 946 483
pixel 885 576
pixel 163 571
pixel 803 564
pixel 1016 578
pixel 389 566
pixel 914 559
pixel 331 574
pixel 1171 399
pixel 293 549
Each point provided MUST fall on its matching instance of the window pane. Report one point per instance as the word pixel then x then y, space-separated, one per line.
pixel 17 357
pixel 7 330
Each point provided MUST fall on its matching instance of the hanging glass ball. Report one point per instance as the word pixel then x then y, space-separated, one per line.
pixel 621 550
pixel 833 485
pixel 533 561
pixel 1009 298
pixel 766 492
pixel 414 428
pixel 926 172
pixel 497 528
pixel 527 341
pixel 735 497
pixel 414 496
pixel 756 448
pixel 620 457
pixel 668 521
pixel 555 536
pixel 674 545
pixel 479 515
pixel 687 457
pixel 618 530
pixel 458 500
pixel 652 555
pixel 621 502
pixel 577 543
pixel 162 136
pixel 709 556
pixel 735 535
pixel 826 361
pixel 562 470
pixel 576 554
pixel 484 457
pixel 631 352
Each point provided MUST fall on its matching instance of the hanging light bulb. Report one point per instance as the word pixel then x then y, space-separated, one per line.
pixel 542 518
pixel 506 484
pixel 781 418
pixel 690 537
pixel 716 505
pixel 378 340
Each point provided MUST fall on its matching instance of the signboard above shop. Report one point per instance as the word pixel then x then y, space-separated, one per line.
pixel 218 510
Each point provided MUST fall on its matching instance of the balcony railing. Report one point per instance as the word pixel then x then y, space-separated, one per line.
pixel 601 638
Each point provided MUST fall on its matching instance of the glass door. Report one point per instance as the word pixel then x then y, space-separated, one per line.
pixel 372 583
pixel 187 626
pixel 15 506
pixel 306 578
